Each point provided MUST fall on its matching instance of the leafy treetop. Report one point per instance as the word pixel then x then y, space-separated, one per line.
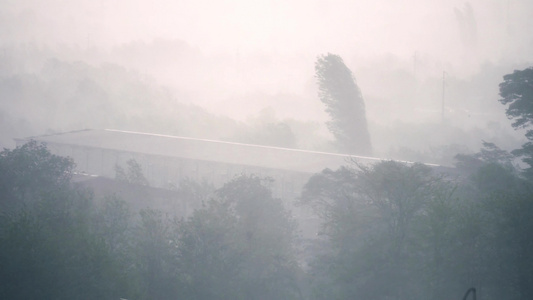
pixel 344 103
pixel 517 91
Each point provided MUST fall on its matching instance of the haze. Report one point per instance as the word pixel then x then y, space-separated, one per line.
pixel 253 61
pixel 220 149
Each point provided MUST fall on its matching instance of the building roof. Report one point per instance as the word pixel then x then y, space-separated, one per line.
pixel 204 149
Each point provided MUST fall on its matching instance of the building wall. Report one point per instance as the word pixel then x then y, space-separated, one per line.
pixel 163 172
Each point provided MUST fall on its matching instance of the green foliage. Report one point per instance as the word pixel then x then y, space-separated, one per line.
pixel 28 172
pixel 52 252
pixel 396 231
pixel 60 245
pixel 390 231
pixel 526 152
pixel 240 246
pixel 154 257
pixel 490 153
pixel 369 214
pixel 209 253
pixel 504 205
pixel 194 194
pixel 344 103
pixel 386 224
pixel 133 175
pixel 517 91
pixel 49 246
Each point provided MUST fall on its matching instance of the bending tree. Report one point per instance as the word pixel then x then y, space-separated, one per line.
pixel 344 103
pixel 517 91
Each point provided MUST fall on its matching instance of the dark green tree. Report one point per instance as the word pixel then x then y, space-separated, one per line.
pixel 494 229
pixel 489 153
pixel 49 247
pixel 133 175
pixel 239 246
pixel 194 194
pixel 29 172
pixel 209 253
pixel 154 256
pixel 370 217
pixel 517 91
pixel 344 103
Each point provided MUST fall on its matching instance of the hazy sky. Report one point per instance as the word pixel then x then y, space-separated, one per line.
pixel 311 26
pixel 272 44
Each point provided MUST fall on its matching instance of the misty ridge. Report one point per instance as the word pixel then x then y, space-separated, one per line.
pixel 266 149
pixel 46 93
pixel 54 80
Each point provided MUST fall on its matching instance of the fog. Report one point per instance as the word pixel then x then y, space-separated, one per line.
pixel 220 161
pixel 244 64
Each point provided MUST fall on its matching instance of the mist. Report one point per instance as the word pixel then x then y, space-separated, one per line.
pixel 266 149
pixel 419 65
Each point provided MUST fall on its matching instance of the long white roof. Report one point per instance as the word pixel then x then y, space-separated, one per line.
pixel 204 149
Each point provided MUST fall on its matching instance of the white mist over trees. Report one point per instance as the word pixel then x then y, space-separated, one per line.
pixel 261 56
pixel 344 104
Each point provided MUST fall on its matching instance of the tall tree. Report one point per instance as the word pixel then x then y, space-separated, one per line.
pixel 517 91
pixel 28 172
pixel 49 247
pixel 370 217
pixel 344 103
pixel 239 246
pixel 134 175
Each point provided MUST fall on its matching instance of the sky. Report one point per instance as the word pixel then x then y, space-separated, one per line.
pixel 249 55
pixel 313 26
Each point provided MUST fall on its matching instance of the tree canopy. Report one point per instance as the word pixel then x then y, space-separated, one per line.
pixel 390 230
pixel 30 171
pixel 240 245
pixel 56 242
pixel 517 91
pixel 407 231
pixel 344 103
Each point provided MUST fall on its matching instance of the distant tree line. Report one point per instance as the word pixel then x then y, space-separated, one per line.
pixel 58 95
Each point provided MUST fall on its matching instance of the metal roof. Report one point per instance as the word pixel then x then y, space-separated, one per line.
pixel 203 149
